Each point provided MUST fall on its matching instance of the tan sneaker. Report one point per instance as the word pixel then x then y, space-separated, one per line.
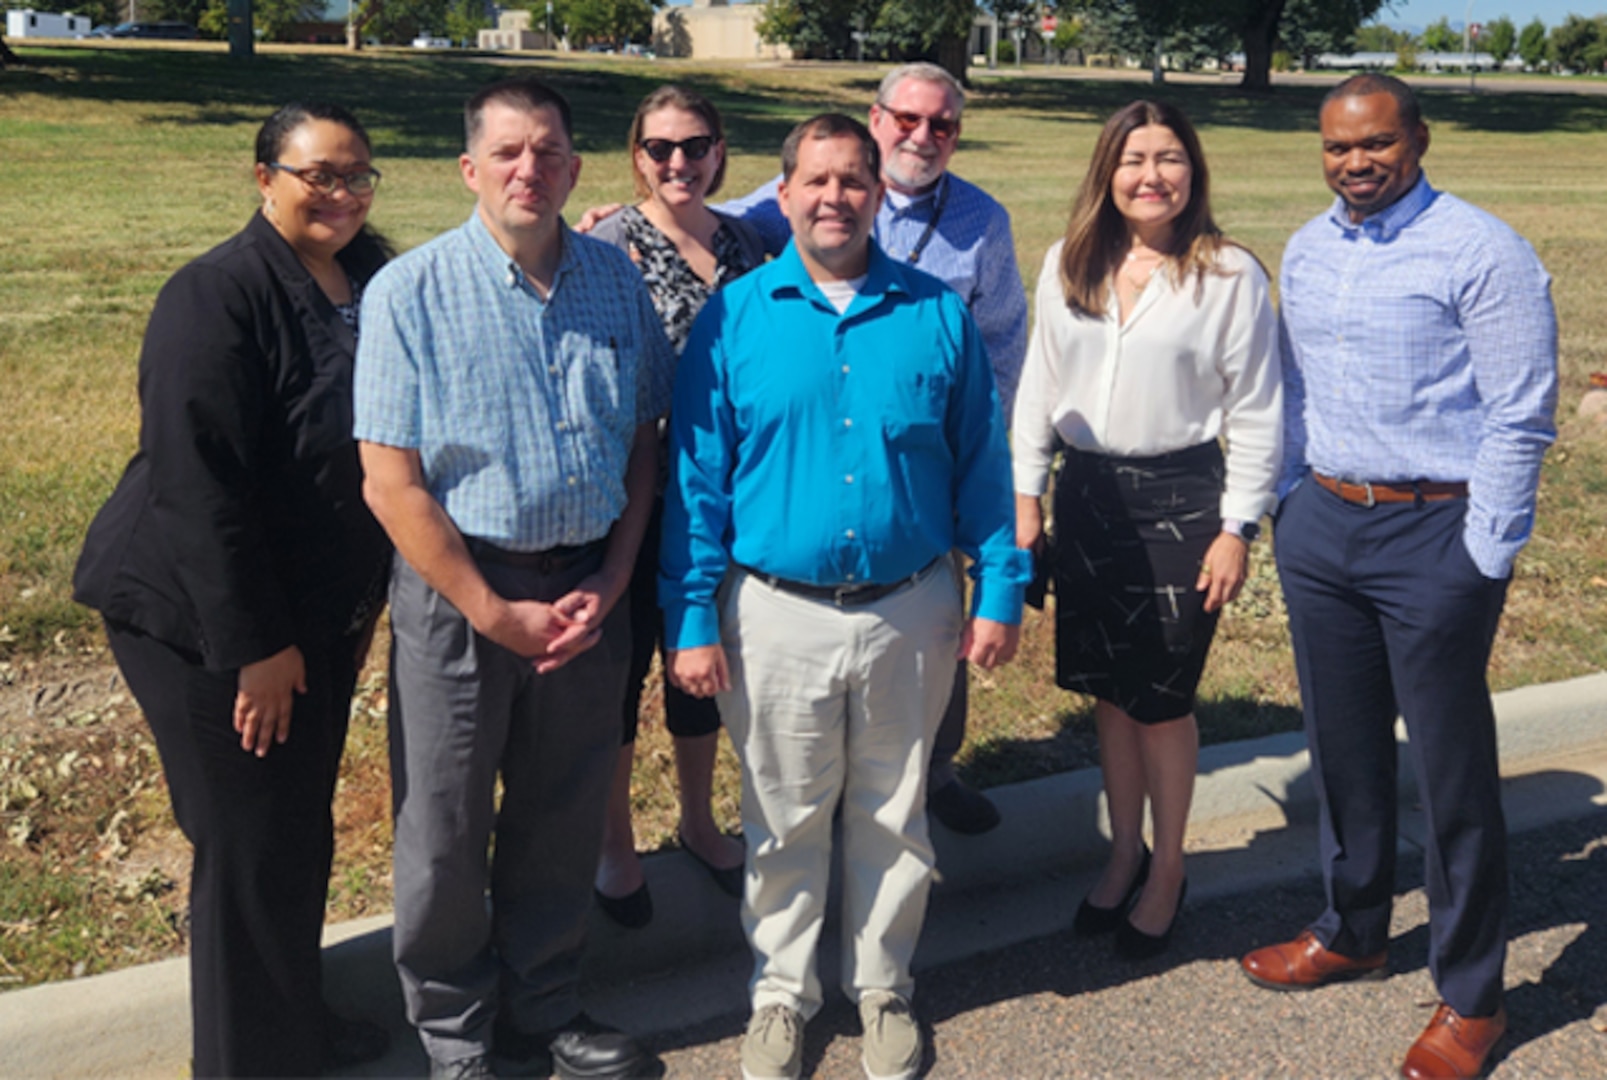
pixel 773 1047
pixel 892 1046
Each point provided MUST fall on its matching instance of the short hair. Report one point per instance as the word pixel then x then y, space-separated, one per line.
pixel 922 71
pixel 1370 83
pixel 830 126
pixel 277 129
pixel 522 93
pixel 1096 234
pixel 688 101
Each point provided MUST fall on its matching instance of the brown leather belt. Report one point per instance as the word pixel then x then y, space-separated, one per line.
pixel 843 595
pixel 1371 493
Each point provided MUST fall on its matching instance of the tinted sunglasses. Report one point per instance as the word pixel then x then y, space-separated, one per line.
pixel 907 122
pixel 696 148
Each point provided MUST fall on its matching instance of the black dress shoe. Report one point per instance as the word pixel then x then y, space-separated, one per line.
pixel 581 1049
pixel 1092 920
pixel 962 809
pixel 349 1042
pixel 633 911
pixel 728 878
pixel 1133 944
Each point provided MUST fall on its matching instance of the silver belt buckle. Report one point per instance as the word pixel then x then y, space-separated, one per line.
pixel 1372 500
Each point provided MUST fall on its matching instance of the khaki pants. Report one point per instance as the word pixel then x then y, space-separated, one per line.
pixel 834 705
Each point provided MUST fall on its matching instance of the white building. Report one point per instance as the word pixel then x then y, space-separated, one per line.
pixel 28 23
pixel 713 30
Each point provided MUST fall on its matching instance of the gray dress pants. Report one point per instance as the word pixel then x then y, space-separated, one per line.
pixel 481 934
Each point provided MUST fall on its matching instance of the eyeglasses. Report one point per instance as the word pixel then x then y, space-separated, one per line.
pixel 942 128
pixel 696 148
pixel 360 183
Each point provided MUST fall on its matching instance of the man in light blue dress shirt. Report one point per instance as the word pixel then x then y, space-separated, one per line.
pixel 1420 382
pixel 958 233
pixel 509 381
pixel 835 435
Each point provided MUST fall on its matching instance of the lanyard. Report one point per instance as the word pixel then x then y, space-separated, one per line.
pixel 938 203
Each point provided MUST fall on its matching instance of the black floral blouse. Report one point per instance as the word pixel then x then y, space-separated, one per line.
pixel 678 293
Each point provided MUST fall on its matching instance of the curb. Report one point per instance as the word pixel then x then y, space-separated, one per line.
pixel 1252 824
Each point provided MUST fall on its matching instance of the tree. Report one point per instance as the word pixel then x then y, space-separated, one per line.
pixel 7 57
pixel 1439 37
pixel 778 22
pixel 1500 40
pixel 612 21
pixel 1376 37
pixel 1259 25
pixel 936 30
pixel 1068 36
pixel 1532 44
pixel 1577 44
pixel 272 19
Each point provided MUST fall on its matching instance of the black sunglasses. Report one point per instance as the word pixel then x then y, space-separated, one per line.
pixel 696 148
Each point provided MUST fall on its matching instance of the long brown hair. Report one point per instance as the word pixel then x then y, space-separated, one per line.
pixel 1096 234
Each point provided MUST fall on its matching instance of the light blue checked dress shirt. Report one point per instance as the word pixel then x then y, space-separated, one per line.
pixel 1421 344
pixel 523 411
pixel 971 251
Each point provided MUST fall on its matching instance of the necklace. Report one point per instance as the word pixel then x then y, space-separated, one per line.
pixel 1137 276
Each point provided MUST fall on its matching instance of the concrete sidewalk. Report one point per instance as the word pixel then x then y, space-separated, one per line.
pixel 1253 827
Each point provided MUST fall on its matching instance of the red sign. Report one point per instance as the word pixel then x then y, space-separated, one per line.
pixel 1050 25
pixel 1475 30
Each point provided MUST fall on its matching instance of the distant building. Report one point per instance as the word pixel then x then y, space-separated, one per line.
pixel 28 23
pixel 713 30
pixel 513 34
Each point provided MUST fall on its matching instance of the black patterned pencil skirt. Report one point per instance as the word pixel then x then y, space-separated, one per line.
pixel 1130 534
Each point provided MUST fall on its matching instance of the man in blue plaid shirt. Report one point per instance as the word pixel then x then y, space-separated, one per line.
pixel 1420 382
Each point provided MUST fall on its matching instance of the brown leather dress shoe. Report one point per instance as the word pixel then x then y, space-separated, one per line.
pixel 1305 964
pixel 1453 1047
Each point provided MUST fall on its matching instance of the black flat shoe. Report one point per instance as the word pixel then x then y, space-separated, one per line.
pixel 349 1041
pixel 728 878
pixel 632 911
pixel 1133 944
pixel 1092 921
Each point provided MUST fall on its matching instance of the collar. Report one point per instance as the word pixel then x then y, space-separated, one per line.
pixel 1388 222
pixel 899 202
pixel 502 267
pixel 790 276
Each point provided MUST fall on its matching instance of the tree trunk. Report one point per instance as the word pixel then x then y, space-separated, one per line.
pixel 1259 33
pixel 951 56
pixel 7 57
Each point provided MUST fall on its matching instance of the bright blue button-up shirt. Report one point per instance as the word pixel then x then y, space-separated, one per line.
pixel 970 250
pixel 523 410
pixel 1421 344
pixel 835 449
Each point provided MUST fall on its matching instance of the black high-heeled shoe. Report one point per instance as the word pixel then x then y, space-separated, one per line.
pixel 1092 920
pixel 1133 944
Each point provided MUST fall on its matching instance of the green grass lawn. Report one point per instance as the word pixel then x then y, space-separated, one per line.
pixel 118 165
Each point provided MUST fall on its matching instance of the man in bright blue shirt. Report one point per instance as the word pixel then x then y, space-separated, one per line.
pixel 835 434
pixel 1420 382
pixel 958 233
pixel 510 376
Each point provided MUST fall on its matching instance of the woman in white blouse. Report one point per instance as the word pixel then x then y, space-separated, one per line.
pixel 1154 367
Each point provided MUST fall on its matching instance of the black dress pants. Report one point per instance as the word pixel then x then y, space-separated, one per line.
pixel 263 834
pixel 1388 613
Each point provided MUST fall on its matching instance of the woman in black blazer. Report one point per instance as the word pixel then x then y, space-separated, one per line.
pixel 240 575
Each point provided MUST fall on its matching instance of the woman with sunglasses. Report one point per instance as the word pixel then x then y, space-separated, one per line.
pixel 240 575
pixel 1155 344
pixel 686 251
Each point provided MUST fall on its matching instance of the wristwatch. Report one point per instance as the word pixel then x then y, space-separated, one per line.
pixel 1247 531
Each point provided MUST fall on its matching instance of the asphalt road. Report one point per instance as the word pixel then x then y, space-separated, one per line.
pixel 1060 1006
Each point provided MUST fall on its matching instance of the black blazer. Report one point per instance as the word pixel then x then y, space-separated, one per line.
pixel 239 528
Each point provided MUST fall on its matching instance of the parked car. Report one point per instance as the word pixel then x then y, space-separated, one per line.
pixel 169 30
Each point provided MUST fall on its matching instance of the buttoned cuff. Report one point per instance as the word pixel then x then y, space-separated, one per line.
pixel 690 626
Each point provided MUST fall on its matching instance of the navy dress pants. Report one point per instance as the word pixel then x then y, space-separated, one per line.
pixel 1389 616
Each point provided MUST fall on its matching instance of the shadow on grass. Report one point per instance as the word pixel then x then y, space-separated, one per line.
pixel 1075 743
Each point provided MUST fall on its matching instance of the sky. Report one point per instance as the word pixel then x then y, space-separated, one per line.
pixel 1417 14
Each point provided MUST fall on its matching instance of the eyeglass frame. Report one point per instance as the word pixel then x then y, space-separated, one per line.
pixel 647 146
pixel 337 180
pixel 943 128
